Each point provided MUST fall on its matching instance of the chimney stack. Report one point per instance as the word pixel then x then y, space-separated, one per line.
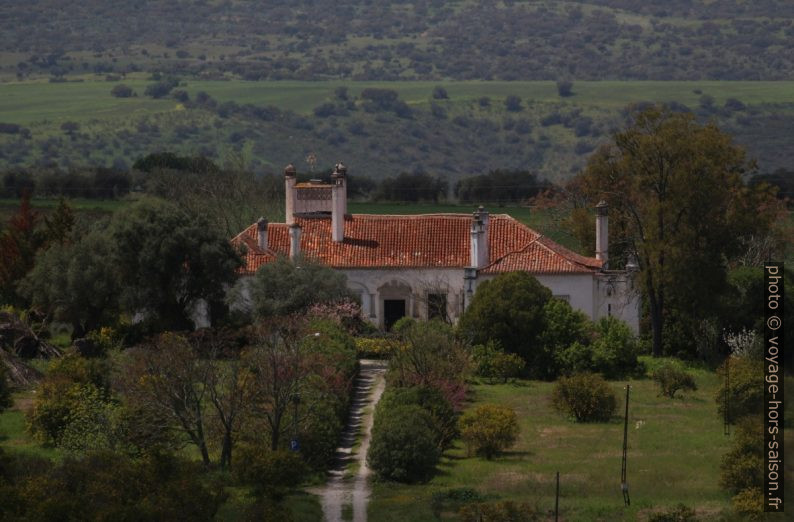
pixel 602 233
pixel 294 241
pixel 479 238
pixel 290 180
pixel 338 202
pixel 261 233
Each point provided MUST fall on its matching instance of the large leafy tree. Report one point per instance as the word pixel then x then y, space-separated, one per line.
pixel 678 203
pixel 284 287
pixel 510 309
pixel 167 261
pixel 76 283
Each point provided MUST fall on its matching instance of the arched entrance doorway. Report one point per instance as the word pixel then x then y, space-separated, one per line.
pixel 395 299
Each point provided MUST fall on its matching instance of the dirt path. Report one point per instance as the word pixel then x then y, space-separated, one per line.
pixel 342 489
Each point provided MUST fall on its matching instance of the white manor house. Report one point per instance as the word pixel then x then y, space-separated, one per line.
pixel 429 265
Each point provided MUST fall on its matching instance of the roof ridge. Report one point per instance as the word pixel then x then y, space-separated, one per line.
pixel 568 253
pixel 522 249
pixel 245 230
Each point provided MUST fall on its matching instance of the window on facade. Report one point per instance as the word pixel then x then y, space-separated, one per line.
pixel 437 306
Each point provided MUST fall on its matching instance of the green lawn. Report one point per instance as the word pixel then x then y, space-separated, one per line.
pixel 13 433
pixel 675 447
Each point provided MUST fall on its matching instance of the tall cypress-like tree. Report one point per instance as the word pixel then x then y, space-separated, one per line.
pixel 19 243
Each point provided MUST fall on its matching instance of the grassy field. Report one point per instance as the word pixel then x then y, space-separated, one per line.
pixel 675 447
pixel 40 102
pixel 552 136
pixel 13 431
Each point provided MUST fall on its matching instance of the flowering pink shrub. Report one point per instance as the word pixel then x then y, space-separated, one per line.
pixel 345 312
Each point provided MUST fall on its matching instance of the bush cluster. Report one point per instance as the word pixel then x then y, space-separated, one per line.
pixel 520 314
pixel 505 510
pixel 671 377
pixel 745 392
pixel 586 397
pixel 741 471
pixel 494 364
pixel 376 347
pixel 430 400
pixel 489 429
pixel 404 444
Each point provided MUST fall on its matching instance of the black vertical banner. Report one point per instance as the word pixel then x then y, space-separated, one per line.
pixel 773 387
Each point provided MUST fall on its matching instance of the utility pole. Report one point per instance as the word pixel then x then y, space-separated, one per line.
pixel 557 500
pixel 624 485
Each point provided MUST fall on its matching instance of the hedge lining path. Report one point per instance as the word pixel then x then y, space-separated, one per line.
pixel 341 489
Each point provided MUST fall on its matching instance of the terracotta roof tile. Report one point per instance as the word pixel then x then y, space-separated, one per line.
pixel 418 241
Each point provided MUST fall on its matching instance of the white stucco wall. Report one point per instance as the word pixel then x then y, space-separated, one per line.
pixel 616 295
pixel 597 295
pixel 375 285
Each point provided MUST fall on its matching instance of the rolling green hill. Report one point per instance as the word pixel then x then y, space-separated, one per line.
pixel 272 123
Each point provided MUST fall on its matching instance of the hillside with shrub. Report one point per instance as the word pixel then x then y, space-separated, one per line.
pixel 410 39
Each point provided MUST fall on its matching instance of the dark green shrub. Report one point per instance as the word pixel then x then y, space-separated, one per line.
pixel 503 511
pixel 745 387
pixel 489 429
pixel 586 397
pixel 612 351
pixel 494 364
pixel 513 103
pixel 403 324
pixel 680 513
pixel 403 444
pixel 510 309
pixel 576 358
pixel 429 399
pixel 564 88
pixel 269 473
pixel 452 499
pixel 320 430
pixel 743 466
pixel 671 377
pixel 5 389
pixel 122 91
pixel 615 349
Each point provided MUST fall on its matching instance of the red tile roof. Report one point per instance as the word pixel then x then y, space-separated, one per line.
pixel 420 241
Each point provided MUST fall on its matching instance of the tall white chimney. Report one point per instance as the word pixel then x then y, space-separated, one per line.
pixel 338 202
pixel 483 250
pixel 261 233
pixel 294 241
pixel 602 233
pixel 290 179
pixel 479 238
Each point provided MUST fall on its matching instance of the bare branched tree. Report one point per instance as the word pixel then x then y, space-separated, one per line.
pixel 169 380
